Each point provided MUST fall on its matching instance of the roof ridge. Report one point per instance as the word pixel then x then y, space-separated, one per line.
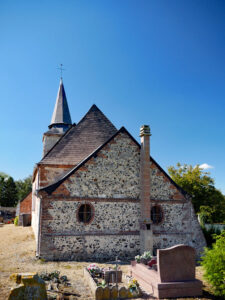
pixel 92 109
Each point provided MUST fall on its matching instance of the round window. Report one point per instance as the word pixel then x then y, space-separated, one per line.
pixel 85 213
pixel 156 214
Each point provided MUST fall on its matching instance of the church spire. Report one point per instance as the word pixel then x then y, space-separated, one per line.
pixel 61 116
pixel 61 120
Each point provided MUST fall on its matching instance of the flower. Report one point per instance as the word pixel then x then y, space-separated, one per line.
pixel 133 285
pixel 93 268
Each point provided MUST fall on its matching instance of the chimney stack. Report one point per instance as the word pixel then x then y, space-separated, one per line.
pixel 146 228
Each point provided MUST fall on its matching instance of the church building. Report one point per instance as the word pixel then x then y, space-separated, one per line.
pixel 97 193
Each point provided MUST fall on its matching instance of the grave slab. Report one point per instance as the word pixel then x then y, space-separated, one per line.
pixel 175 275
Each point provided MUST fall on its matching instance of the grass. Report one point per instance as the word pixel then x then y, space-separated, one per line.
pixel 67 267
pixel 14 258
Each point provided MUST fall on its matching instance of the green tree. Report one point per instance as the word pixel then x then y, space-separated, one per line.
pixel 24 187
pixel 213 262
pixel 4 174
pixel 2 190
pixel 8 192
pixel 200 186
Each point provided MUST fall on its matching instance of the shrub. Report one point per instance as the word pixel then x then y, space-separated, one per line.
pixel 213 263
pixel 16 220
pixel 210 235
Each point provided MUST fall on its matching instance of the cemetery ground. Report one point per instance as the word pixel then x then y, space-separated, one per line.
pixel 17 254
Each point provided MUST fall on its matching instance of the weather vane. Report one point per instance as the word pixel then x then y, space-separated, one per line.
pixel 61 69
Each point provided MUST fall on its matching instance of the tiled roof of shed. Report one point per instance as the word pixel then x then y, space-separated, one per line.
pixel 81 140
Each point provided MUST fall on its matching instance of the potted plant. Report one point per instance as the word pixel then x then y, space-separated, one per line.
pixel 138 258
pixel 146 257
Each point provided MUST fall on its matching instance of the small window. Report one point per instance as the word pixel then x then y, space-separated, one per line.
pixel 156 214
pixel 85 213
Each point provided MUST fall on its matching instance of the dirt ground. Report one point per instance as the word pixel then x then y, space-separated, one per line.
pixel 17 254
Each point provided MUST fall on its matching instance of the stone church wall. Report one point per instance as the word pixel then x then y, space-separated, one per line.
pixel 179 224
pixel 114 172
pixel 110 182
pixel 114 230
pixel 35 206
pixel 108 217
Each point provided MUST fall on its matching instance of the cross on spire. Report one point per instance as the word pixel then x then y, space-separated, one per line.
pixel 61 69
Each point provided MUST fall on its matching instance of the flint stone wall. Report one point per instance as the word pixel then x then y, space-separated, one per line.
pixel 97 248
pixel 113 231
pixel 108 217
pixel 179 226
pixel 114 173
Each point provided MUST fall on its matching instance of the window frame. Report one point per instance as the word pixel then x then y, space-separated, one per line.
pixel 161 214
pixel 91 212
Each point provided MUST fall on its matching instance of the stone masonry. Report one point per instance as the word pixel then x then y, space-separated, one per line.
pixel 110 182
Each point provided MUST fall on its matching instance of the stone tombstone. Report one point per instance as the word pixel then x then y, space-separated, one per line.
pixel 110 276
pixel 29 286
pixel 176 263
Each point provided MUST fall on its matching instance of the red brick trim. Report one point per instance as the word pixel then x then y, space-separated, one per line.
pixel 170 233
pixel 62 197
pixel 55 165
pixel 161 201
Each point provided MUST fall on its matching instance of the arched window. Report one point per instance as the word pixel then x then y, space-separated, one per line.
pixel 156 214
pixel 85 213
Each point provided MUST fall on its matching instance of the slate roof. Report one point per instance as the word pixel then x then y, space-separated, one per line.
pixel 61 114
pixel 82 139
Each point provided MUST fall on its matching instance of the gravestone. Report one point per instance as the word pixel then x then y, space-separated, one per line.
pixel 176 263
pixel 175 275
pixel 28 286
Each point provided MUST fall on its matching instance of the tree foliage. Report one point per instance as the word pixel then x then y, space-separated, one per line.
pixel 213 262
pixel 13 191
pixel 207 200
pixel 8 191
pixel 24 187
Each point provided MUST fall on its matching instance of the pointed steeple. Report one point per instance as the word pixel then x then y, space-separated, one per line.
pixel 61 116
pixel 60 123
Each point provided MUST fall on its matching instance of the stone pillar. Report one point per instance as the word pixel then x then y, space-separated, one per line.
pixel 146 224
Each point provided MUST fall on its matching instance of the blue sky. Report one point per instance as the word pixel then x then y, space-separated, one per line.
pixel 141 62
